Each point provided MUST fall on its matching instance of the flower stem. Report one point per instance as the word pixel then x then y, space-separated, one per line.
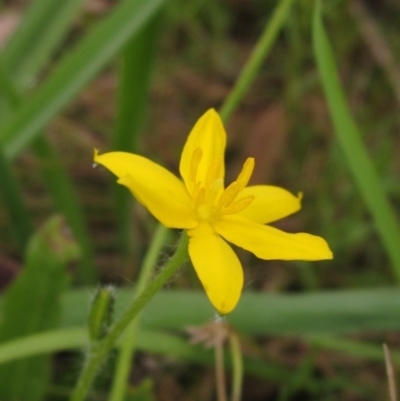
pixel 220 371
pixel 118 389
pixel 237 366
pixel 99 353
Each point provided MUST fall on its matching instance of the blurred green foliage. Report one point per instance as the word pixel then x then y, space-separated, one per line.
pixel 171 61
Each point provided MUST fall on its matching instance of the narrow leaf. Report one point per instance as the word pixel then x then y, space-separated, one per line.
pixel 75 71
pixel 135 68
pixel 42 27
pixel 32 305
pixel 349 138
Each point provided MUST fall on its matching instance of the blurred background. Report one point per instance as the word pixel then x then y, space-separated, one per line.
pixel 193 52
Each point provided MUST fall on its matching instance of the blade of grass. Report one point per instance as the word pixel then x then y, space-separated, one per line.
pixel 32 304
pixel 42 27
pixel 171 345
pixel 60 187
pixel 9 188
pixel 350 347
pixel 13 201
pixel 75 71
pixel 134 74
pixel 65 200
pixel 349 138
pixel 147 340
pixel 335 312
pixel 259 54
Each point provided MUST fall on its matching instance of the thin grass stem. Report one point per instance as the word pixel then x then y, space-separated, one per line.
pixel 237 366
pixel 220 371
pixel 260 52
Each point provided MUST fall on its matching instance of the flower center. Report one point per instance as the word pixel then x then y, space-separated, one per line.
pixel 210 200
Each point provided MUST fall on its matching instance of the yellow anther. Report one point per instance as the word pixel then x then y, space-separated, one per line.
pixel 228 196
pixel 200 197
pixel 245 174
pixel 213 173
pixel 239 205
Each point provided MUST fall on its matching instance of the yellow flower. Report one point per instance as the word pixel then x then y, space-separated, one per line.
pixel 213 214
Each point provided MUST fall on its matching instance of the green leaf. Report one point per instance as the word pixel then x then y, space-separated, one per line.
pixel 75 71
pixel 143 392
pixel 42 27
pixel 147 340
pixel 32 305
pixel 58 182
pixel 13 200
pixel 349 138
pixel 101 313
pixel 40 31
pixel 135 70
pixel 333 312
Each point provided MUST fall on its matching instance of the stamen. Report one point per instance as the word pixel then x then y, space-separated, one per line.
pixel 200 197
pixel 228 196
pixel 239 205
pixel 195 190
pixel 245 174
pixel 194 164
pixel 213 173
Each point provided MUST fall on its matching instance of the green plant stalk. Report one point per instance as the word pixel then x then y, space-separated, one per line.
pixel 220 371
pixel 129 343
pixel 100 352
pixel 349 138
pixel 257 57
pixel 237 366
pixel 60 187
pixel 134 74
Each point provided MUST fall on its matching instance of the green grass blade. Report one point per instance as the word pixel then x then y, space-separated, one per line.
pixel 13 201
pixel 333 312
pixel 349 138
pixel 32 304
pixel 65 200
pixel 258 56
pixel 352 348
pixel 147 341
pixel 135 69
pixel 60 187
pixel 43 343
pixel 42 27
pixel 75 71
pixel 10 191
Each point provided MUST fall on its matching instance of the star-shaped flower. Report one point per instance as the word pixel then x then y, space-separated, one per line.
pixel 213 214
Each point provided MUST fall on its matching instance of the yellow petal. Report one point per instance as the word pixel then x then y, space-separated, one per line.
pixel 217 266
pixel 162 193
pixel 270 203
pixel 270 243
pixel 209 135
